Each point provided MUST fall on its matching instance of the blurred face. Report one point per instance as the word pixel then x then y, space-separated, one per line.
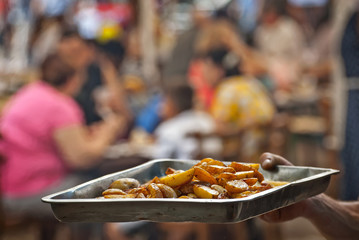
pixel 168 109
pixel 212 72
pixel 76 52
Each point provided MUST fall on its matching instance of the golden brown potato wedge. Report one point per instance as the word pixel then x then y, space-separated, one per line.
pixel 219 188
pixel 153 180
pixel 204 176
pixel 236 186
pixel 170 171
pixel 226 176
pixel 167 191
pixel 250 181
pixel 215 169
pixel 204 191
pixel 187 188
pixel 222 181
pixel 139 190
pixel 260 187
pixel 154 190
pixel 140 195
pixel 235 176
pixel 178 179
pixel 210 161
pixel 113 191
pixel 244 166
pixel 125 184
pixel 244 174
pixel 258 175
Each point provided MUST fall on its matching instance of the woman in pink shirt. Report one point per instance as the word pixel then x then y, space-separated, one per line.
pixel 44 138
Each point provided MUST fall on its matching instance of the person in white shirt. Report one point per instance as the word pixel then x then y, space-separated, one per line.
pixel 173 138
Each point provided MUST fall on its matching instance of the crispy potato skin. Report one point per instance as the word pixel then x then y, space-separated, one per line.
pixel 215 169
pixel 113 191
pixel 170 171
pixel 209 178
pixel 250 181
pixel 178 179
pixel 204 191
pixel 155 191
pixel 236 186
pixel 167 191
pixel 125 183
pixel 244 166
pixel 204 176
pixel 210 161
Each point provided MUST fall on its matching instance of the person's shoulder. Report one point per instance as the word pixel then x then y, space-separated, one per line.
pixel 48 99
pixel 172 126
pixel 166 126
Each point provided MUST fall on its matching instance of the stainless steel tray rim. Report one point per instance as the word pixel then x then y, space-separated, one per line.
pixel 49 198
pixel 80 203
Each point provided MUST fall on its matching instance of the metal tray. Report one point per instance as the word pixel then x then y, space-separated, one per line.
pixel 79 204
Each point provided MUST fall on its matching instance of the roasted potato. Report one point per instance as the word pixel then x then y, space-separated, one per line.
pixel 170 171
pixel 207 179
pixel 215 169
pixel 178 179
pixel 204 191
pixel 167 191
pixel 236 176
pixel 219 188
pixel 250 181
pixel 113 191
pixel 125 184
pixel 155 191
pixel 236 186
pixel 139 190
pixel 239 167
pixel 204 176
pixel 210 161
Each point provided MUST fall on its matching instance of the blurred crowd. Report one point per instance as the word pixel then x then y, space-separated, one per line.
pixel 184 79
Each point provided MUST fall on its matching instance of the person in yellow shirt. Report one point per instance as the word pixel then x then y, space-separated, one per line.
pixel 241 103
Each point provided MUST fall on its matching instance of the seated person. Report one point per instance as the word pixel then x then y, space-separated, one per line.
pixel 180 120
pixel 241 102
pixel 44 139
pixel 99 65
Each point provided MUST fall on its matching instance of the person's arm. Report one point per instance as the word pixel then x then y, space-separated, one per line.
pixel 118 101
pixel 252 63
pixel 334 219
pixel 81 149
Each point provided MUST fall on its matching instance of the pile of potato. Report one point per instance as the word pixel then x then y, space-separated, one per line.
pixel 209 178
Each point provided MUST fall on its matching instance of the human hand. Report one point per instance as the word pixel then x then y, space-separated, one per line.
pixel 110 128
pixel 107 67
pixel 115 123
pixel 268 162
